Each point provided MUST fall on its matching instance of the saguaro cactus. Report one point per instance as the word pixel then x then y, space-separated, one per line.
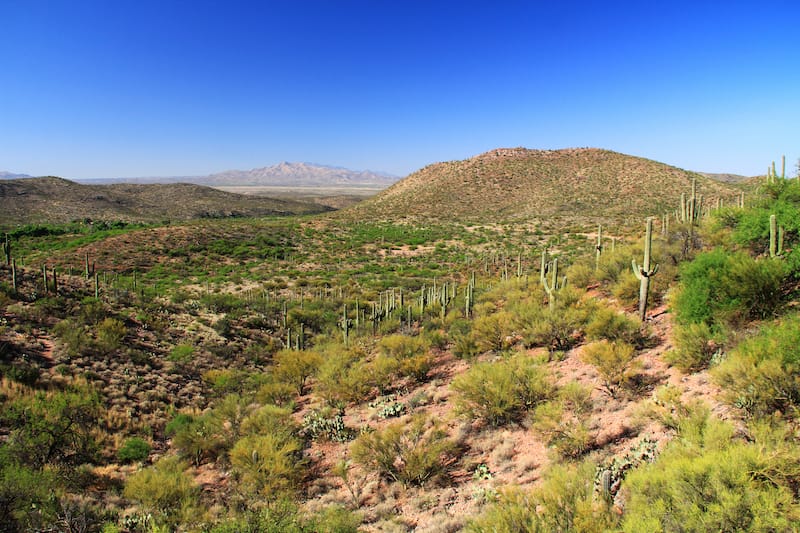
pixel 775 237
pixel 645 272
pixel 7 250
pixel 551 287
pixel 543 267
pixel 345 326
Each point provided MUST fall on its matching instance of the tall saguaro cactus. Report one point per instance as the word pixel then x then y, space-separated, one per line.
pixel 552 287
pixel 775 237
pixel 644 271
pixel 7 250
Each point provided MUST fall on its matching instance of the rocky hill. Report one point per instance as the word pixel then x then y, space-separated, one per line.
pixel 52 199
pixel 519 183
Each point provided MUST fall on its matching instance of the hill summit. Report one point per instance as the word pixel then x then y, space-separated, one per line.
pixel 521 183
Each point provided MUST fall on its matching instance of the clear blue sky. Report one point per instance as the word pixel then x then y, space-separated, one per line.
pixel 116 88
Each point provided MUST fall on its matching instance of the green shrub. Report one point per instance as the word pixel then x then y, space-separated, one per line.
pixel 409 355
pixel 465 347
pixel 280 516
pixel 342 377
pixel 501 392
pixel 694 347
pixel 708 480
pixel 165 490
pixel 567 435
pixel 182 353
pixel 133 449
pixel 73 336
pixel 110 333
pixel 412 453
pixel 606 323
pixel 296 366
pixel 667 407
pixel 626 288
pixel 581 274
pixel 718 287
pixel 200 440
pixel 225 381
pixel 92 311
pixel 270 419
pixel 563 502
pixel 614 362
pixel 762 374
pixel 53 428
pixel 333 519
pixel 557 330
pixel 21 372
pixel 493 332
pixel 616 263
pixel 274 391
pixel 268 465
pixel 180 421
pixel 27 501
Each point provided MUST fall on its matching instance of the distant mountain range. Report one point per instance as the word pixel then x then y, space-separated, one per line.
pixel 283 174
pixel 4 175
pixel 301 174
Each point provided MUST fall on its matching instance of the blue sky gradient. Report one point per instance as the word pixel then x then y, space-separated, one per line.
pixel 95 89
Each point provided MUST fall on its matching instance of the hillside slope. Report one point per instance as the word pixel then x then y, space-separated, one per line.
pixel 52 199
pixel 520 183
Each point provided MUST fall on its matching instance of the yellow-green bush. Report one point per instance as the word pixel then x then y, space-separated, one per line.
pixel 581 274
pixel 502 391
pixel 557 330
pixel 343 377
pixel 110 333
pixel 165 490
pixel 296 366
pixel 626 288
pixel 269 419
pixel 614 362
pixel 405 356
pixel 563 502
pixel 410 452
pixel 276 392
pixel 269 465
pixel 694 346
pixel 567 435
pixel 709 480
pixel 762 374
pixel 494 331
pixel 606 323
pixel 27 500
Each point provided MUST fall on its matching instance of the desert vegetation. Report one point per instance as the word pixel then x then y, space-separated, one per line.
pixel 351 372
